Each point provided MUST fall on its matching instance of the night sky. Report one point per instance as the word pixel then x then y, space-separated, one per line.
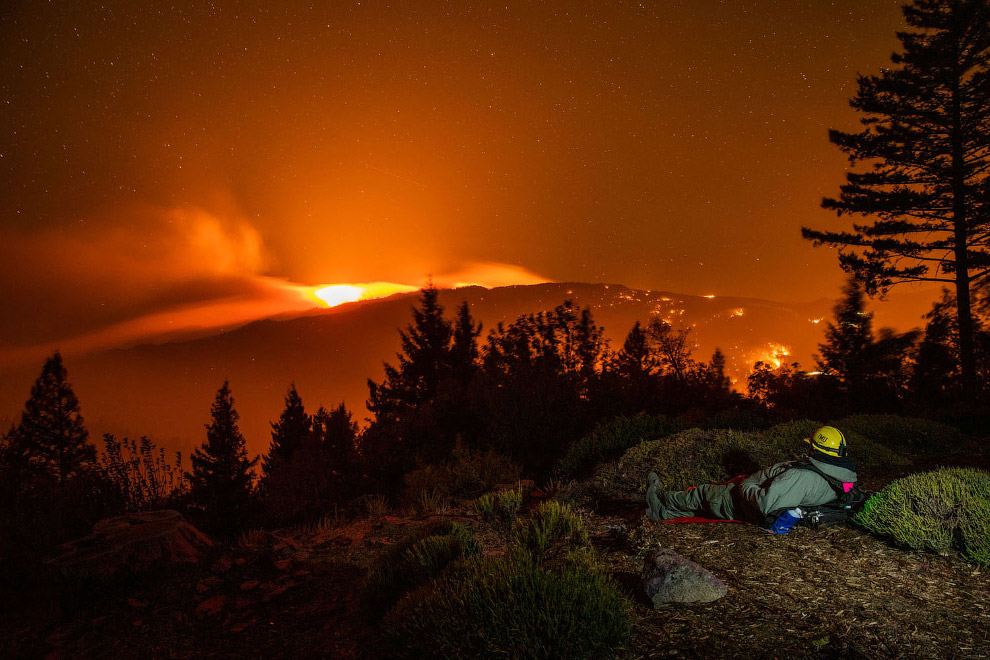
pixel 162 161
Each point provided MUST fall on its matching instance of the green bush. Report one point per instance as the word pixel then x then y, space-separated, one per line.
pixel 511 608
pixel 692 457
pixel 413 561
pixel 936 511
pixel 699 456
pixel 789 439
pixel 550 532
pixel 499 509
pixel 467 475
pixel 609 440
pixel 919 436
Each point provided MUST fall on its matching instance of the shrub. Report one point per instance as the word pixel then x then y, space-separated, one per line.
pixel 689 458
pixel 609 440
pixel 789 440
pixel 431 501
pixel 467 475
pixel 551 532
pixel 500 607
pixel 414 560
pixel 921 436
pixel 140 474
pixel 699 456
pixel 499 509
pixel 375 505
pixel 936 511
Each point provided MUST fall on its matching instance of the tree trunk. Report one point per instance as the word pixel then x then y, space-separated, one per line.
pixel 967 357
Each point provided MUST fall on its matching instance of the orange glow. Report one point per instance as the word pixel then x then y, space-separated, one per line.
pixel 772 356
pixel 338 294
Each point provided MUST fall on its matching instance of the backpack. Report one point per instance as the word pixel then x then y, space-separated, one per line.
pixel 839 510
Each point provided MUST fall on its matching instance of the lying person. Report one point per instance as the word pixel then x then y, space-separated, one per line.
pixel 774 495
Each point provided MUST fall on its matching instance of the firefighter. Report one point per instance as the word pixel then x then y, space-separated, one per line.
pixel 771 496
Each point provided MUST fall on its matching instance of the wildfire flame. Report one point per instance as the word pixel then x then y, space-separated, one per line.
pixel 773 356
pixel 338 294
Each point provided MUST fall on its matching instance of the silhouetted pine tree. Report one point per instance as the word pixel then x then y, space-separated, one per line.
pixel 871 369
pixel 716 372
pixel 464 350
pixel 292 430
pixel 336 433
pixel 635 360
pixel 51 438
pixel 926 143
pixel 423 362
pixel 848 339
pixel 221 481
pixel 321 474
pixel 935 381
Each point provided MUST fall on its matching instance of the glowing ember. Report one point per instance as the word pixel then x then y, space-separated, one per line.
pixel 738 311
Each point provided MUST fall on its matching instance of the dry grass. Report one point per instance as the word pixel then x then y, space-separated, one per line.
pixel 835 593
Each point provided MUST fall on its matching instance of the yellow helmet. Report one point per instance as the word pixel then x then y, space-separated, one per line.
pixel 828 440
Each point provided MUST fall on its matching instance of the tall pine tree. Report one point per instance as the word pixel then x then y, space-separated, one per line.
pixel 51 438
pixel 423 362
pixel 464 349
pixel 848 339
pixel 292 430
pixel 222 476
pixel 926 145
pixel 336 434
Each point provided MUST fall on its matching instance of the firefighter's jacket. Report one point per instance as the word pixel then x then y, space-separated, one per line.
pixel 777 488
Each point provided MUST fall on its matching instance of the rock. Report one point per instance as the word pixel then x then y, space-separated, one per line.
pixel 249 585
pixel 211 606
pixel 222 565
pixel 617 535
pixel 670 578
pixel 133 543
pixel 208 583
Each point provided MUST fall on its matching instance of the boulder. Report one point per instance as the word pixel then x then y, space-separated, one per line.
pixel 130 543
pixel 670 578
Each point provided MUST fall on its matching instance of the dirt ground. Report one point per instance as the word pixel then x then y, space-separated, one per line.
pixel 834 593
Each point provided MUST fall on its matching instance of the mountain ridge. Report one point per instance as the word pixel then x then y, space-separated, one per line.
pixel 164 389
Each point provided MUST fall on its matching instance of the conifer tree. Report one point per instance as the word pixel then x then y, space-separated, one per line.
pixel 51 437
pixel 289 433
pixel 634 360
pixel 869 367
pixel 848 339
pixel 926 142
pixel 222 476
pixel 716 371
pixel 336 432
pixel 464 350
pixel 423 362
